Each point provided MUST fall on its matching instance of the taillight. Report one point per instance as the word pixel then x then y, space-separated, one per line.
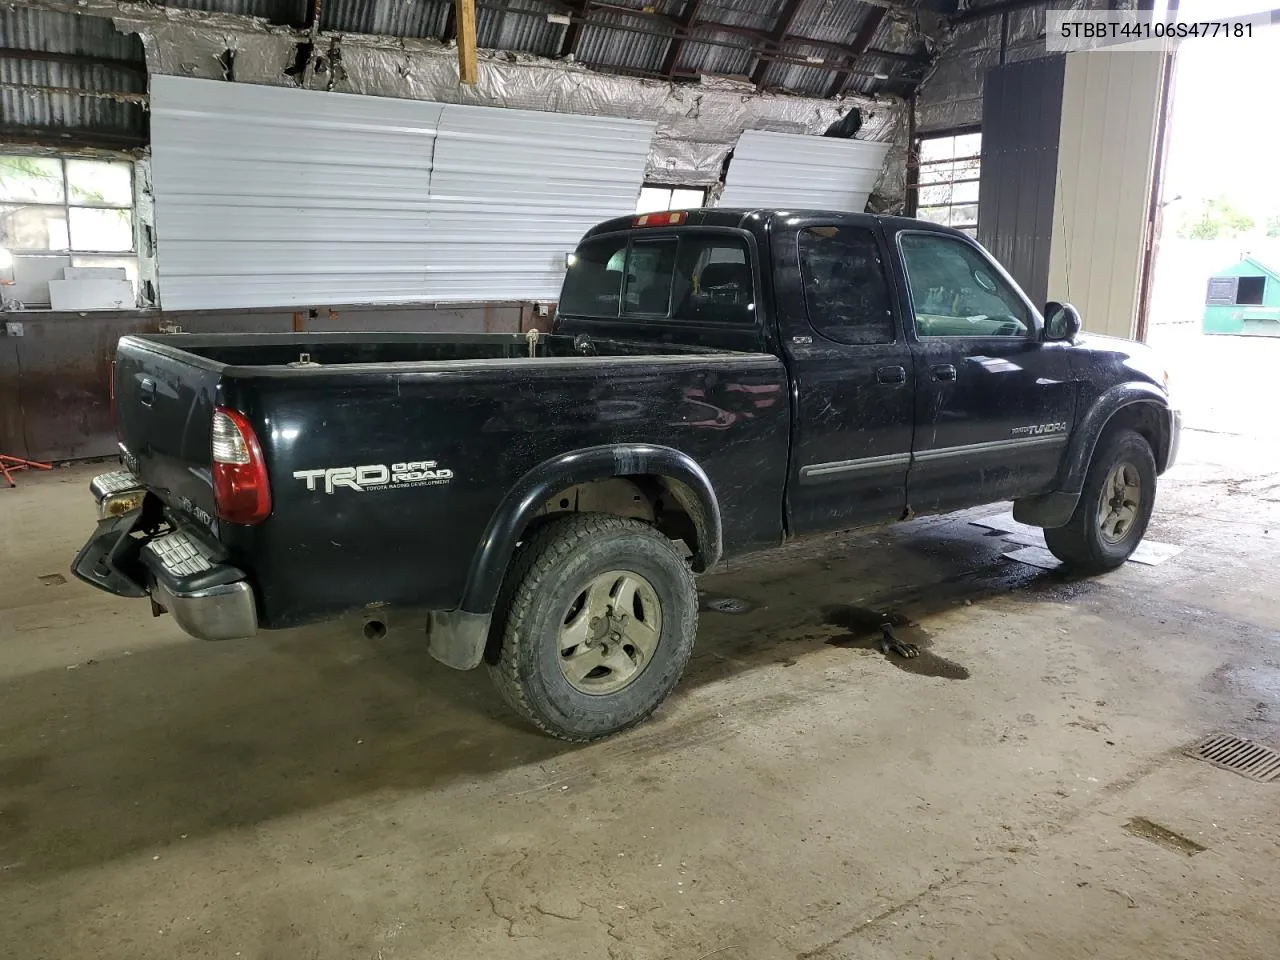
pixel 241 492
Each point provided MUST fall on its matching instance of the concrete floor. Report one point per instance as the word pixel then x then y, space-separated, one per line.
pixel 801 797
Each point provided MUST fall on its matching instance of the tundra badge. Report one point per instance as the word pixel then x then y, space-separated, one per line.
pixel 1036 429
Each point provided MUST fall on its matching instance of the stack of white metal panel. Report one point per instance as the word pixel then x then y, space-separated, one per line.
pixel 268 196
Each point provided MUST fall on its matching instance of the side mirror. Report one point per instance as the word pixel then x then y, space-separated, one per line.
pixel 1061 321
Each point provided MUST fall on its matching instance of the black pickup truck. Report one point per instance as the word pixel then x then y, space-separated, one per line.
pixel 715 381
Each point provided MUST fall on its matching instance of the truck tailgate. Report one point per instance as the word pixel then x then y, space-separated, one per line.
pixel 164 414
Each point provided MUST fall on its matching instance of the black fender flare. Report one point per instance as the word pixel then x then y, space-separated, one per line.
pixel 525 499
pixel 1091 428
pixel 1055 509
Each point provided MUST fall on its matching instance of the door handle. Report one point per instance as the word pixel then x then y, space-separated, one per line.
pixel 891 375
pixel 147 391
pixel 943 372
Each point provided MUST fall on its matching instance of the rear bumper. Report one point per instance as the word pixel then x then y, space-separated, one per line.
pixel 225 612
pixel 209 599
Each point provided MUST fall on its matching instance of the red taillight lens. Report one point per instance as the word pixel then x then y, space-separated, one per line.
pixel 241 492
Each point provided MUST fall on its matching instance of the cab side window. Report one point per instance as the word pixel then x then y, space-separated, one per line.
pixel 955 291
pixel 846 291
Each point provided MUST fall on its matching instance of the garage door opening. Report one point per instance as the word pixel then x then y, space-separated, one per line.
pixel 1215 303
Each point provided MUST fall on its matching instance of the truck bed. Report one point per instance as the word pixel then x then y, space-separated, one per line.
pixel 477 408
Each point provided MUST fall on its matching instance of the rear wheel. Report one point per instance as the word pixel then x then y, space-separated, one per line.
pixel 600 615
pixel 1114 509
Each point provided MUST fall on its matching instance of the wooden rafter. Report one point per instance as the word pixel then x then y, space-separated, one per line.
pixel 465 16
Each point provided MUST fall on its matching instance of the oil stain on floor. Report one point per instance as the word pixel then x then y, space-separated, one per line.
pixel 865 630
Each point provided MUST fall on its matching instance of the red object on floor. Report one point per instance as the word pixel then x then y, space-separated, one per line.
pixel 10 465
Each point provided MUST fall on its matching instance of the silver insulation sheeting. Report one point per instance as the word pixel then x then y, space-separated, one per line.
pixel 697 124
pixel 951 95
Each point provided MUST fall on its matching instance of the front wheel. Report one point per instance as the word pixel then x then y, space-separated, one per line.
pixel 1114 508
pixel 600 615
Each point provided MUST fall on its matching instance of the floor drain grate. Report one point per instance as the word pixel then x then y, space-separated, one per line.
pixel 1244 757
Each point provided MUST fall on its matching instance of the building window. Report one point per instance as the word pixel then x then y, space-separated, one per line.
pixel 948 187
pixel 57 213
pixel 655 199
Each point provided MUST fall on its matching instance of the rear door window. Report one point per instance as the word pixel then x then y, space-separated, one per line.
pixel 846 292
pixel 714 283
pixel 593 281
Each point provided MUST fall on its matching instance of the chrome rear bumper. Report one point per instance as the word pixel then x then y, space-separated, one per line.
pixel 225 612
pixel 183 575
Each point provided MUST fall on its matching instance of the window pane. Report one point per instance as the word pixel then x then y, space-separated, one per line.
pixel 653 199
pixel 965 192
pixel 100 182
pixel 650 270
pixel 32 179
pixel 936 173
pixel 968 145
pixel 964 213
pixel 101 229
pixel 955 291
pixel 940 215
pixel 593 282
pixel 845 290
pixel 937 148
pixel 713 281
pixel 936 195
pixel 33 227
pixel 686 199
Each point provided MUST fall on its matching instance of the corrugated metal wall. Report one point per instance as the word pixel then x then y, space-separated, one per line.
pixel 1107 142
pixel 513 191
pixel 786 170
pixel 1020 128
pixel 268 196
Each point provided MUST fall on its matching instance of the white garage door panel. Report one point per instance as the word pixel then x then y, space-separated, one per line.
pixel 788 170
pixel 513 191
pixel 268 196
pixel 243 291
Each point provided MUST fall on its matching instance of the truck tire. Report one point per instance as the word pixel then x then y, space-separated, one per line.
pixel 599 615
pixel 1114 509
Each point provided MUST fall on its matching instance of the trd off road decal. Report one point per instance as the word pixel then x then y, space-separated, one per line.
pixel 376 476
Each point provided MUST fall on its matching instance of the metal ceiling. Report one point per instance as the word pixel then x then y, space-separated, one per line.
pixel 61 74
pixel 67 72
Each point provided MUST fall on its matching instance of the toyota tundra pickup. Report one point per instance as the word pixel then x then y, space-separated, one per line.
pixel 715 381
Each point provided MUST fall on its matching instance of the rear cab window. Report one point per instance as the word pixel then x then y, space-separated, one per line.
pixel 694 277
